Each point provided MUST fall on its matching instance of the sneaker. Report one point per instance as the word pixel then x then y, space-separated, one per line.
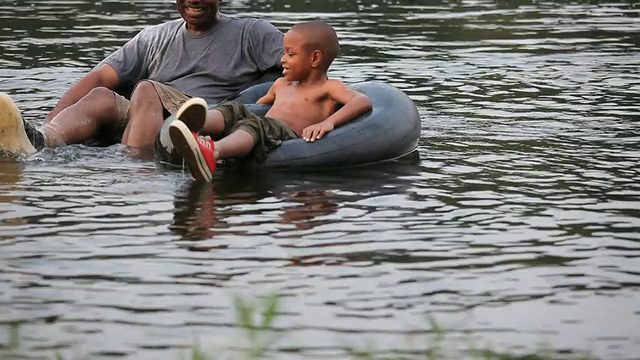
pixel 193 113
pixel 16 135
pixel 36 137
pixel 197 151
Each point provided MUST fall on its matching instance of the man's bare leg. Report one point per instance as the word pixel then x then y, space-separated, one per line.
pixel 79 122
pixel 145 117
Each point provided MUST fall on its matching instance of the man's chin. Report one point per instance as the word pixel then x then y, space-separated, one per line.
pixel 200 23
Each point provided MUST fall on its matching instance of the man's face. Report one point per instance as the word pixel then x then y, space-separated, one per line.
pixel 200 15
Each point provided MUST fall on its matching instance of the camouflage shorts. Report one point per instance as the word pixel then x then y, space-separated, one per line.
pixel 267 132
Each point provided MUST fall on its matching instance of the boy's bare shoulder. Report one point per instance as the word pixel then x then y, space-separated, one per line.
pixel 281 82
pixel 333 83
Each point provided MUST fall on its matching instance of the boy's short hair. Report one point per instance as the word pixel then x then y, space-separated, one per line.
pixel 320 36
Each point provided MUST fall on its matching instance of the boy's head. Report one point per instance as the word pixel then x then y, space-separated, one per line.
pixel 317 43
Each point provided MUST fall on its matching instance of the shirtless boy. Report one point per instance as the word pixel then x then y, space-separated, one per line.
pixel 303 106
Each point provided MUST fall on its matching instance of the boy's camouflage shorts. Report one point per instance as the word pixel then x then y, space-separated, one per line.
pixel 267 132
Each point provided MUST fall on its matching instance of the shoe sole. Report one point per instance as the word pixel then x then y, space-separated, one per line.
pixel 186 145
pixel 13 138
pixel 193 113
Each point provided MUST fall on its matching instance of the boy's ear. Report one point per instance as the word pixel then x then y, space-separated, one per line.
pixel 316 58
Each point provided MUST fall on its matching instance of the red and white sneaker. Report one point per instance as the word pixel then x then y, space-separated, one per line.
pixel 193 113
pixel 197 151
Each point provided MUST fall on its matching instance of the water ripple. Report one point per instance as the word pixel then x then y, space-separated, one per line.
pixel 518 223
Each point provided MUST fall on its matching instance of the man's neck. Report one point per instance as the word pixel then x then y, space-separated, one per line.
pixel 199 30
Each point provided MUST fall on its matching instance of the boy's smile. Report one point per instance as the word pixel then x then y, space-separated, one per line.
pixel 296 61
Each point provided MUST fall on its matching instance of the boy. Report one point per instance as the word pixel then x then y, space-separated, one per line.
pixel 304 104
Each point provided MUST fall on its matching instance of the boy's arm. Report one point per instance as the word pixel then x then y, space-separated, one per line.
pixel 270 96
pixel 355 104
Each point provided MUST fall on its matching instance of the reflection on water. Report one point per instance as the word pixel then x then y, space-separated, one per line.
pixel 11 171
pixel 518 224
pixel 195 212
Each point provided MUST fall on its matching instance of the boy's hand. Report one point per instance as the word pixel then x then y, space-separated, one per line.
pixel 313 132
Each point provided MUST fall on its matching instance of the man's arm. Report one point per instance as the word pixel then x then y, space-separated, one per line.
pixel 104 76
pixel 265 45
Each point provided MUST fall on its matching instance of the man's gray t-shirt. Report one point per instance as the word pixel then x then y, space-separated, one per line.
pixel 213 65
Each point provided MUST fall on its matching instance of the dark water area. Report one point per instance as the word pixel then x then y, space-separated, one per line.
pixel 518 224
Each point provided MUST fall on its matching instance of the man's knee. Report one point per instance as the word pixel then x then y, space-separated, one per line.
pixel 99 93
pixel 144 90
pixel 99 101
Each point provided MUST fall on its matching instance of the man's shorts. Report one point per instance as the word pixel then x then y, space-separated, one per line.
pixel 171 100
pixel 268 133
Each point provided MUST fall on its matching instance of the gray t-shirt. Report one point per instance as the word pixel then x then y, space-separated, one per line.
pixel 213 65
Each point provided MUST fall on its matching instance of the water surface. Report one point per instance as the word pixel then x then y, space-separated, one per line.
pixel 517 224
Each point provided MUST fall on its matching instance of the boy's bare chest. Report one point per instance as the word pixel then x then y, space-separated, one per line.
pixel 300 107
pixel 303 96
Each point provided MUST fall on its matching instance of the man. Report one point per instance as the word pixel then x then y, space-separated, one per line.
pixel 204 54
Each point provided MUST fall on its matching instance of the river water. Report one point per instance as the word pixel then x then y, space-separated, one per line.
pixel 516 229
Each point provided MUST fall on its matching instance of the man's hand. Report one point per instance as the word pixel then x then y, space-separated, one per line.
pixel 313 132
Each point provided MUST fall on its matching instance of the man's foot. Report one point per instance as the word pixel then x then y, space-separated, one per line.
pixel 193 113
pixel 16 135
pixel 197 151
pixel 36 137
